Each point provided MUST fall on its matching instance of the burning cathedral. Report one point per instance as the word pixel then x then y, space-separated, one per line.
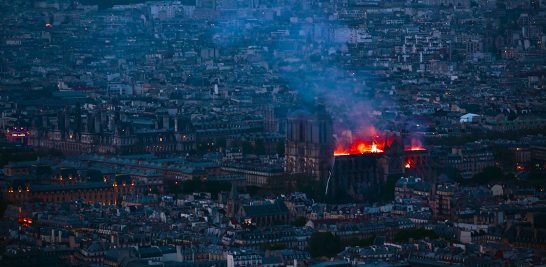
pixel 361 172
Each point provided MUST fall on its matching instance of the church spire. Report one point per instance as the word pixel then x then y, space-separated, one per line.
pixel 386 142
pixel 234 193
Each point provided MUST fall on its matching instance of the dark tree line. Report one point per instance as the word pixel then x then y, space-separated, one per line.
pixel 416 234
pixel 326 244
pixel 6 156
pixel 505 157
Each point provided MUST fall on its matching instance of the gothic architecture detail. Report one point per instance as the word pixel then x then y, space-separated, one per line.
pixel 234 203
pixel 265 214
pixel 393 158
pixel 110 132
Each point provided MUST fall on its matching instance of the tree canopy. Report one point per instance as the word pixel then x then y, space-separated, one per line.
pixel 486 176
pixel 300 221
pixel 297 182
pixel 259 148
pixel 324 244
pixel 504 156
pixel 212 187
pixel 417 234
pixel 353 242
pixel 247 147
pixel 280 148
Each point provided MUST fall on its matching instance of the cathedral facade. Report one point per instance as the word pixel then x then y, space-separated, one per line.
pixel 309 144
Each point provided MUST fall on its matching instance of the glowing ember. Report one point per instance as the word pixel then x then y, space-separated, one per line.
pixel 415 145
pixel 415 149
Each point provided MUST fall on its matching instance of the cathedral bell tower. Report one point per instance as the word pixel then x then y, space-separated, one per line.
pixel 309 144
pixel 393 158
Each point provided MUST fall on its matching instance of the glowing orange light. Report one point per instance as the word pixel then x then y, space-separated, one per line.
pixel 410 163
pixel 358 147
pixel 375 149
pixel 415 149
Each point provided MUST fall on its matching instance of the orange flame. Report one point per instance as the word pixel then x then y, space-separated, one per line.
pixel 415 149
pixel 416 145
pixel 358 147
pixel 367 142
pixel 410 164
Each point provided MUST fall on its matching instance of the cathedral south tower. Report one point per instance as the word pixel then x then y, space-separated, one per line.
pixel 309 145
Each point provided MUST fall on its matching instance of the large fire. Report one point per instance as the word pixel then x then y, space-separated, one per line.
pixel 359 147
pixel 347 144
